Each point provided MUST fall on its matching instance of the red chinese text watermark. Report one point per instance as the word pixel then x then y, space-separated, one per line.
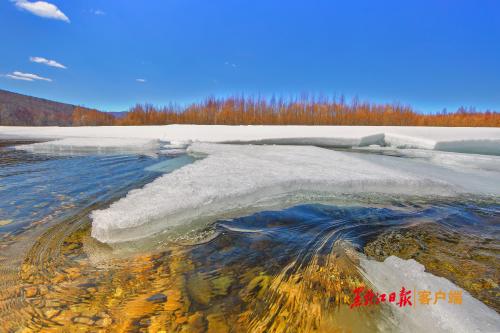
pixel 404 298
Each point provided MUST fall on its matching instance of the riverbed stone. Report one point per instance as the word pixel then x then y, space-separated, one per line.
pixel 104 322
pixel 157 298
pixel 51 313
pixel 83 320
pixel 5 222
pixel 196 323
pixel 30 291
pixel 200 288
pixel 217 324
pixel 221 285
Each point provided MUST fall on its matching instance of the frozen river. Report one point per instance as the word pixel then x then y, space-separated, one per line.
pixel 145 234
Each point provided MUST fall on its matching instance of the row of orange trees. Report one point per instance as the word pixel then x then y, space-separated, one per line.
pixel 304 111
pixel 88 117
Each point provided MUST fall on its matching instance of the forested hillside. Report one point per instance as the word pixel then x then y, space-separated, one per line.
pixel 22 110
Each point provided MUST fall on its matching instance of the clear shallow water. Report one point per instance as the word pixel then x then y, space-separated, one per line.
pixel 40 190
pixel 33 186
pixel 284 271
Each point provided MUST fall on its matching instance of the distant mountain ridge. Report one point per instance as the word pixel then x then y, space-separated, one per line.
pixel 118 114
pixel 22 110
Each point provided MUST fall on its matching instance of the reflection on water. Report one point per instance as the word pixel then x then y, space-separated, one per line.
pixel 276 271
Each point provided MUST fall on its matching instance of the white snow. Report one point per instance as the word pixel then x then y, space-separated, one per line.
pixel 392 274
pixel 456 139
pixel 236 178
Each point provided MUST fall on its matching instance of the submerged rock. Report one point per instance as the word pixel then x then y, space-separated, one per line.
pixel 221 285
pixel 200 288
pixel 5 222
pixel 196 324
pixel 217 324
pixel 157 298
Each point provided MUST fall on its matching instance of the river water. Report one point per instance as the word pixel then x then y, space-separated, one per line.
pixel 291 270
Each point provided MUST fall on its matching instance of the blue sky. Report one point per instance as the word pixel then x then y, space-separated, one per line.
pixel 431 54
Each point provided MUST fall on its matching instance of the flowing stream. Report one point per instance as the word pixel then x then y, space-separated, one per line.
pixel 291 270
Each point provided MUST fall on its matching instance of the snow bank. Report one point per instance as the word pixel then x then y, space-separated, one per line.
pixel 232 179
pixel 394 273
pixel 466 140
pixel 77 145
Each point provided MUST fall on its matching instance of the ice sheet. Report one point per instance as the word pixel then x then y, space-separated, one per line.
pixel 457 161
pixel 455 139
pixel 236 178
pixel 72 145
pixel 394 273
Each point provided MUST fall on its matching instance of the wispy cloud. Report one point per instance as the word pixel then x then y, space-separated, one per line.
pixel 48 62
pixel 98 12
pixel 14 77
pixel 27 77
pixel 42 9
pixel 227 63
pixel 141 80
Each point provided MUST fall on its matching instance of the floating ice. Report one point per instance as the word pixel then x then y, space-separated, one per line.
pixel 232 179
pixel 394 273
pixel 77 145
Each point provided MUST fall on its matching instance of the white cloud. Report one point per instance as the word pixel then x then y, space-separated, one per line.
pixel 11 76
pixel 26 77
pixel 98 12
pixel 141 80
pixel 42 9
pixel 48 62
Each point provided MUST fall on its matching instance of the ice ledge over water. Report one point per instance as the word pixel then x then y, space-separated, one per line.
pixel 392 274
pixel 232 179
pixel 454 139
pixel 76 145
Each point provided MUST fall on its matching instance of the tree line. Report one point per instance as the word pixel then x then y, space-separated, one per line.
pixel 303 111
